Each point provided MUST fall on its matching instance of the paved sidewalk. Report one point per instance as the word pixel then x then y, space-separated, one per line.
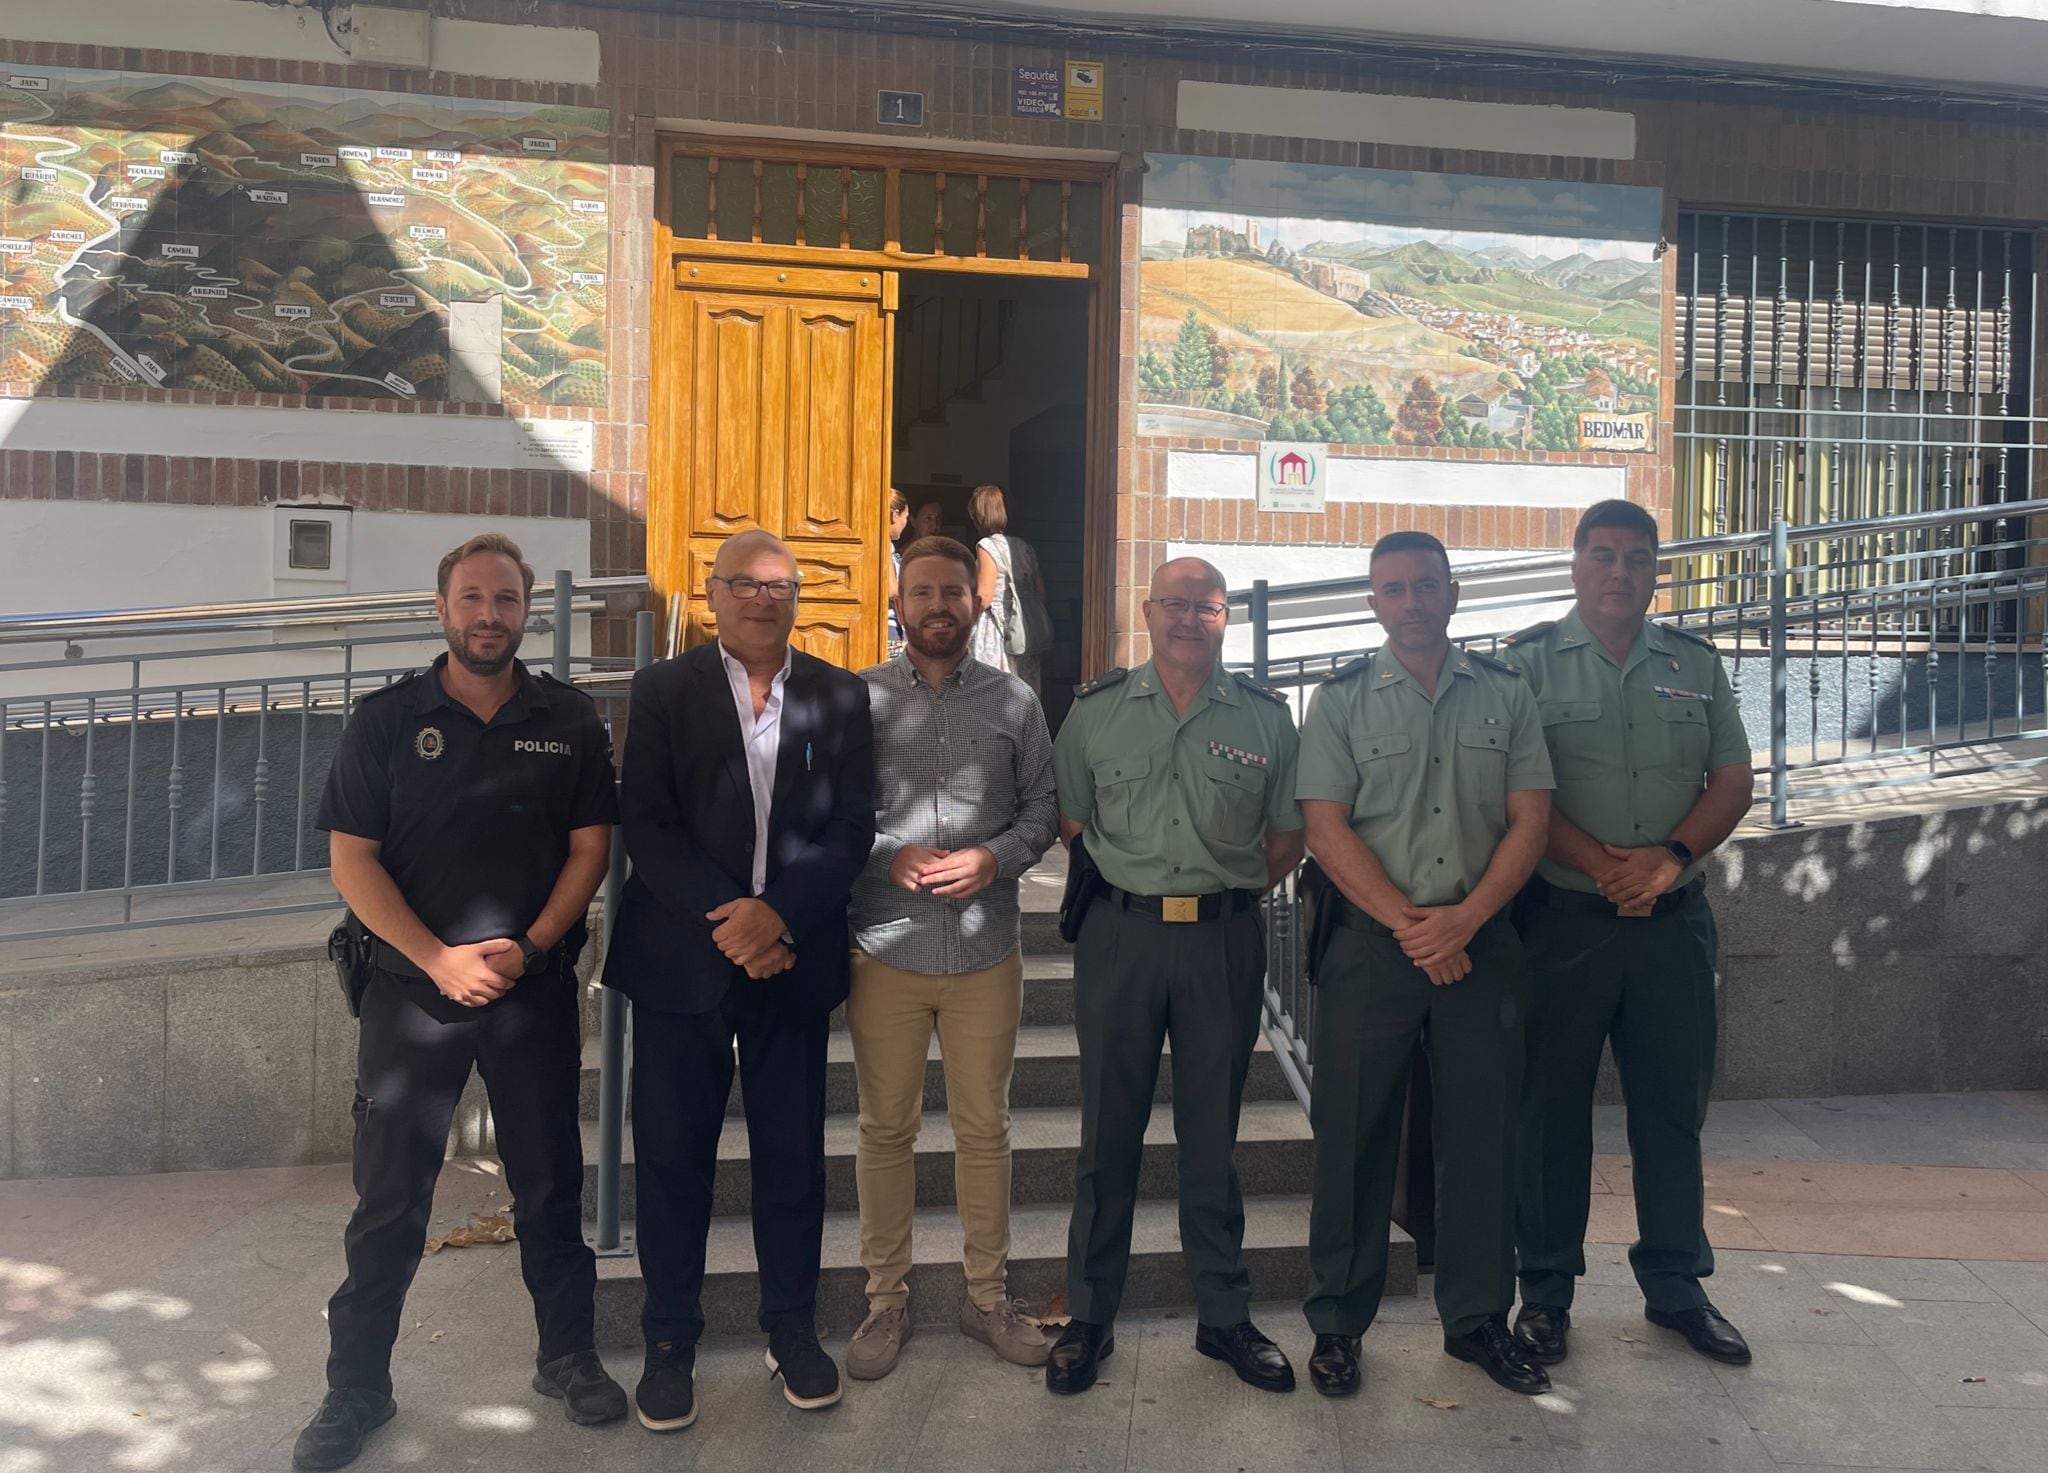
pixel 1888 1259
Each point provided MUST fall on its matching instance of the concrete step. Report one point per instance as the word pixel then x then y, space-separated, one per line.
pixel 1275 1240
pixel 1048 1072
pixel 1276 1154
pixel 1048 1003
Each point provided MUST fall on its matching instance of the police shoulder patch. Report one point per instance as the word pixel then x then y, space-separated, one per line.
pixel 1349 669
pixel 1534 631
pixel 1101 682
pixel 1278 697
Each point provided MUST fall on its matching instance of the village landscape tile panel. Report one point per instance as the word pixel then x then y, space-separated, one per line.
pixel 1394 307
pixel 191 233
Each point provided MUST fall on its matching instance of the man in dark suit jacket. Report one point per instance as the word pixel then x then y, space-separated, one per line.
pixel 749 808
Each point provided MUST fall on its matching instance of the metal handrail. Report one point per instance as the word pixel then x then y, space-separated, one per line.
pixel 269 613
pixel 1683 548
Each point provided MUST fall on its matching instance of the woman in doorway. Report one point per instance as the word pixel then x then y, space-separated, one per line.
pixel 1004 562
pixel 899 518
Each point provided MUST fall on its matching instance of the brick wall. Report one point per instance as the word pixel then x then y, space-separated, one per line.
pixel 1788 155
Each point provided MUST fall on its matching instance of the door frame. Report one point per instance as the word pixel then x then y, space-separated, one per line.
pixel 1100 397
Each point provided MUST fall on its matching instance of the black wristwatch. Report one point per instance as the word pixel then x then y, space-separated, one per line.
pixel 1679 851
pixel 533 955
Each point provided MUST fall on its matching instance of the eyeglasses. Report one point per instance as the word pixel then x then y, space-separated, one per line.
pixel 781 590
pixel 1175 608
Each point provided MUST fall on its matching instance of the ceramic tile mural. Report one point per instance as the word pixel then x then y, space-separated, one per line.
pixel 1384 307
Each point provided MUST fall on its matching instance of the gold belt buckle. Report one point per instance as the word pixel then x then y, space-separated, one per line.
pixel 1180 907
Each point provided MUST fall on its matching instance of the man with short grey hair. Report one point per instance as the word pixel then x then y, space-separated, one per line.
pixel 964 805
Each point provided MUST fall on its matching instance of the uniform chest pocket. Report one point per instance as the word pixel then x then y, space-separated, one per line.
pixel 1565 713
pixel 1483 763
pixel 1684 724
pixel 1572 731
pixel 1116 786
pixel 1229 800
pixel 1382 759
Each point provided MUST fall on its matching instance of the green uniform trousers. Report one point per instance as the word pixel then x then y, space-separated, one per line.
pixel 1137 982
pixel 1372 1006
pixel 1647 983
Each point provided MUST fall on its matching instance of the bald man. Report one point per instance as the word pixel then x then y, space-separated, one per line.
pixel 1179 780
pixel 748 804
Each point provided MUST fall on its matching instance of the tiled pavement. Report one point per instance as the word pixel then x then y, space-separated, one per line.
pixel 1887 1257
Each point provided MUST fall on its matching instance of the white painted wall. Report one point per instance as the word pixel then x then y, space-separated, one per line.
pixel 1497 606
pixel 1234 477
pixel 249 28
pixel 249 432
pixel 67 557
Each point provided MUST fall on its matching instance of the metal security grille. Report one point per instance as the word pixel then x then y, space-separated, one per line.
pixel 1847 370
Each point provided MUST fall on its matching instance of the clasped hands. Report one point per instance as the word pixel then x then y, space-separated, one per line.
pixel 1434 938
pixel 1637 876
pixel 750 932
pixel 479 972
pixel 953 873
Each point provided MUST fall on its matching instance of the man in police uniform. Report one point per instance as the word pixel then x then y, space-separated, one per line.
pixel 470 809
pixel 1424 785
pixel 1652 772
pixel 1181 778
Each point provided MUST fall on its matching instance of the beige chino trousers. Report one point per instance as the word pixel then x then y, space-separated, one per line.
pixel 891 1014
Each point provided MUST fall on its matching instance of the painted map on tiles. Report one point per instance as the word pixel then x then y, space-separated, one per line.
pixel 190 234
pixel 1384 307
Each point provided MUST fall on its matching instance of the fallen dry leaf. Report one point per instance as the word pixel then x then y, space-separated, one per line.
pixel 437 1335
pixel 1438 1402
pixel 1626 1339
pixel 495 1228
pixel 144 1414
pixel 1818 1310
pixel 1055 1316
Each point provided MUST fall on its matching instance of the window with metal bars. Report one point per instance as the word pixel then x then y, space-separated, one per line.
pixel 1849 370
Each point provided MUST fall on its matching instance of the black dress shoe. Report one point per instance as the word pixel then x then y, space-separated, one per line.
pixel 1333 1365
pixel 665 1398
pixel 1257 1360
pixel 810 1378
pixel 1542 1329
pixel 1081 1348
pixel 334 1438
pixel 1501 1356
pixel 589 1396
pixel 1706 1330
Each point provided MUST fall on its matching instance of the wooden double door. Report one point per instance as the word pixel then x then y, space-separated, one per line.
pixel 770 410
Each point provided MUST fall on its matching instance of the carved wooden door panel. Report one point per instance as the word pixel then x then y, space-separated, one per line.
pixel 769 412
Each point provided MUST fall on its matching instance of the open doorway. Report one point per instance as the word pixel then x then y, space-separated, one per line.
pixel 991 384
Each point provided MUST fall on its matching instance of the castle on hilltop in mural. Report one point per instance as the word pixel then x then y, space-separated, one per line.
pixel 1383 307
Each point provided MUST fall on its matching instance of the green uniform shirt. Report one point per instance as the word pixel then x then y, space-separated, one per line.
pixel 1178 805
pixel 1631 744
pixel 1427 780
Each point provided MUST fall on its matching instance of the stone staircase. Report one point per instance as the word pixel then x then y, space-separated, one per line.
pixel 1275 1158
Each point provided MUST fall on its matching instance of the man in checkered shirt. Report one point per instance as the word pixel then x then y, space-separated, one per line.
pixel 964 805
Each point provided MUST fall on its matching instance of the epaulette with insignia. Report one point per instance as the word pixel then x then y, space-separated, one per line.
pixel 1683 633
pixel 1346 671
pixel 1103 681
pixel 1494 662
pixel 1276 696
pixel 1534 631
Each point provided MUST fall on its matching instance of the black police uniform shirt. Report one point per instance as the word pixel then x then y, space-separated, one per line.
pixel 474 819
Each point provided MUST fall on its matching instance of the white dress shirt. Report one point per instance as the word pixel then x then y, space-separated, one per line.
pixel 762 736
